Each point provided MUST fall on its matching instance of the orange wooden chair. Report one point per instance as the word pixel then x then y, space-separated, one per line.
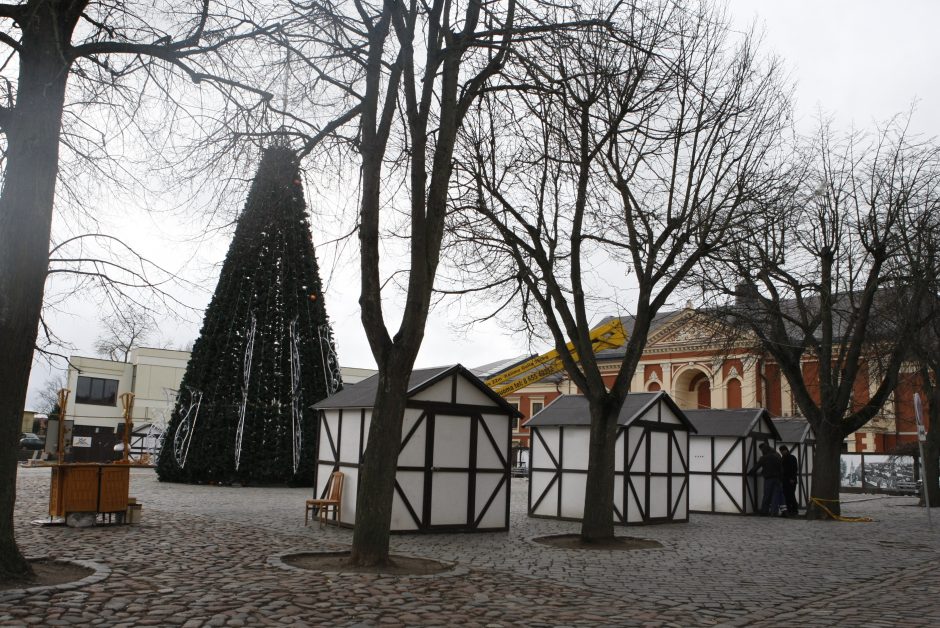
pixel 332 501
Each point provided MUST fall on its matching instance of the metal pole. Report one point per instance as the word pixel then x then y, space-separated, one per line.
pixel 60 437
pixel 127 400
pixel 921 439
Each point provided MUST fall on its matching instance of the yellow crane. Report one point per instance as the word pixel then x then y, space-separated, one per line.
pixel 610 335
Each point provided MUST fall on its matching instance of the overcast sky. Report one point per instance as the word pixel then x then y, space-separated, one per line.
pixel 860 62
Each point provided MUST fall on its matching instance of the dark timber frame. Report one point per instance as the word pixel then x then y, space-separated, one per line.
pixel 741 488
pixel 483 440
pixel 634 436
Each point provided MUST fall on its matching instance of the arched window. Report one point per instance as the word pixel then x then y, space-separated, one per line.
pixel 653 387
pixel 734 393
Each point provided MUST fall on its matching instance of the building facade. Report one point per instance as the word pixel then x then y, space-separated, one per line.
pixel 96 385
pixel 700 365
pixel 152 375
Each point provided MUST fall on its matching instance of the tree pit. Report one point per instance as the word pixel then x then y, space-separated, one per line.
pixel 48 573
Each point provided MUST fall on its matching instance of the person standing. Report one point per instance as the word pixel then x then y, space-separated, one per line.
pixel 790 472
pixel 771 467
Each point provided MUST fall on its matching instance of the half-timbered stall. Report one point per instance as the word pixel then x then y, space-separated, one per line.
pixel 722 453
pixel 651 474
pixel 453 466
pixel 797 434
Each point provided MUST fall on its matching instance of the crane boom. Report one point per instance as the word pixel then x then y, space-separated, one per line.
pixel 607 336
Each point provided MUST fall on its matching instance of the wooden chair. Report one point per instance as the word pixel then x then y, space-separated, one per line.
pixel 332 501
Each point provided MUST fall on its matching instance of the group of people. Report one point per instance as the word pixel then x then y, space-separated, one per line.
pixel 781 476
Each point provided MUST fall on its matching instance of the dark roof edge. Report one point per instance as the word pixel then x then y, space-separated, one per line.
pixel 473 379
pixel 676 410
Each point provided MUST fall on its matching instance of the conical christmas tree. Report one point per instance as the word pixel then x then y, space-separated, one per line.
pixel 265 353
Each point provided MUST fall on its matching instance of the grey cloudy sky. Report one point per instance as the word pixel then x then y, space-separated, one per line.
pixel 860 62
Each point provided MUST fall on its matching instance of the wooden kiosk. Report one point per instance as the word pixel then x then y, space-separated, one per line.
pixel 101 488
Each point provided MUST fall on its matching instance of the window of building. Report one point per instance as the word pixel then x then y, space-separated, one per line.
pixel 536 407
pixel 517 422
pixel 734 393
pixel 96 391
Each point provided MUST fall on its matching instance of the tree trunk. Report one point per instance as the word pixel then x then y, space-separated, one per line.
pixel 32 130
pixel 598 521
pixel 379 464
pixel 932 449
pixel 826 473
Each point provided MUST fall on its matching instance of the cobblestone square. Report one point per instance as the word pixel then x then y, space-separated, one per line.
pixel 205 556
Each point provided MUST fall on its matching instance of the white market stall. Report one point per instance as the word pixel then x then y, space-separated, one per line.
pixel 797 434
pixel 722 452
pixel 651 466
pixel 453 466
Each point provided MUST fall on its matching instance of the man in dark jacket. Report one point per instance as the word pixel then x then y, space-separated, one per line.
pixel 771 467
pixel 790 478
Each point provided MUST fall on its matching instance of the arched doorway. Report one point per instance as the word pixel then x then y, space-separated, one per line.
pixel 692 390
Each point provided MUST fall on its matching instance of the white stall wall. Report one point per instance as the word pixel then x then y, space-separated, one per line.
pixel 436 491
pixel 718 479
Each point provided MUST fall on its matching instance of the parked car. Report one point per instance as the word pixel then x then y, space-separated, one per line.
pixel 30 441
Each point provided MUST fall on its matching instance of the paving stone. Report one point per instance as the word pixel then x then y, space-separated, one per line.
pixel 200 558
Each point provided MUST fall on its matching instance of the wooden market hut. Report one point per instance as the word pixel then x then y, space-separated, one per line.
pixel 722 452
pixel 651 474
pixel 453 466
pixel 798 435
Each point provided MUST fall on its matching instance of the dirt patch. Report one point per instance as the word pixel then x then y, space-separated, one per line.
pixel 617 544
pixel 338 562
pixel 48 573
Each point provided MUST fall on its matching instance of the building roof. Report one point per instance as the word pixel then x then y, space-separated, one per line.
pixel 485 371
pixel 738 422
pixel 362 394
pixel 628 323
pixel 793 429
pixel 574 410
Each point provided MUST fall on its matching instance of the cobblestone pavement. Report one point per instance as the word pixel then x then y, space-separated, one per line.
pixel 202 557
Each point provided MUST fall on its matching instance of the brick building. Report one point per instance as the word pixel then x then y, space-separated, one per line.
pixel 692 358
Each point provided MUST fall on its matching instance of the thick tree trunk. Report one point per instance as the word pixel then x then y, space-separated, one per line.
pixel 598 521
pixel 32 130
pixel 932 450
pixel 379 464
pixel 826 474
pixel 931 472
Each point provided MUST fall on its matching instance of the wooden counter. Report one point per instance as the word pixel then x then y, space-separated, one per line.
pixel 88 487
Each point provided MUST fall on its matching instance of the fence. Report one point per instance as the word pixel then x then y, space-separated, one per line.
pixel 880 472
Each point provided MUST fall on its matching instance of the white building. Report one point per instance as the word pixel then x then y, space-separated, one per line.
pixel 96 385
pixel 152 375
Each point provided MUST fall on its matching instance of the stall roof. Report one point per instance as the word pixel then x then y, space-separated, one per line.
pixel 793 429
pixel 362 395
pixel 738 422
pixel 574 410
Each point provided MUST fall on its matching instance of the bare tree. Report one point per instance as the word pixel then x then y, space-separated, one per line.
pixel 125 330
pixel 928 350
pixel 405 75
pixel 824 281
pixel 49 394
pixel 73 68
pixel 412 72
pixel 921 263
pixel 636 152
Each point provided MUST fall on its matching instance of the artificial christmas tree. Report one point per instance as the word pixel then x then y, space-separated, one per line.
pixel 265 353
